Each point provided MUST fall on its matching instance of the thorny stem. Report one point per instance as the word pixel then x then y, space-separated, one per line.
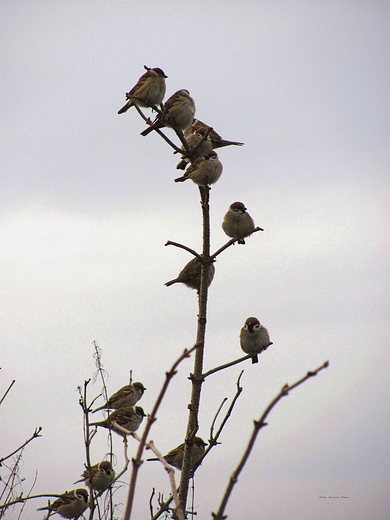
pixel 197 380
pixel 257 427
pixel 137 461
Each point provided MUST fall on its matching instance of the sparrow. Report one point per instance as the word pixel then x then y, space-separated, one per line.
pixel 128 395
pixel 71 504
pixel 190 275
pixel 237 223
pixel 178 112
pixel 128 417
pixel 198 141
pixel 175 456
pixel 148 91
pixel 103 476
pixel 204 170
pixel 254 338
pixel 216 139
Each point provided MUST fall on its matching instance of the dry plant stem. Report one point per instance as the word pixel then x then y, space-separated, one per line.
pixel 231 242
pixel 28 494
pixel 10 484
pixel 35 435
pixel 257 427
pixel 197 379
pixel 102 372
pixel 6 392
pixel 87 442
pixel 137 461
pixel 192 251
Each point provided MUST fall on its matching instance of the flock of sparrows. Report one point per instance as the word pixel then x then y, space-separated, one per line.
pixel 200 162
pixel 203 167
pixel 100 477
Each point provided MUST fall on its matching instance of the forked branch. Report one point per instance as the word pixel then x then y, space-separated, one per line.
pixel 257 427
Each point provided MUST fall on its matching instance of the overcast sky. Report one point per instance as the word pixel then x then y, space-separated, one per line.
pixel 87 205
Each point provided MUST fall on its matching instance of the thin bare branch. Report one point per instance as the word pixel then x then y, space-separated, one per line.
pixel 226 365
pixel 216 417
pixel 28 495
pixel 151 501
pixel 171 473
pixel 161 134
pixel 6 392
pixel 213 440
pixel 35 435
pixel 231 242
pixel 182 246
pixel 257 427
pixel 21 499
pixel 137 461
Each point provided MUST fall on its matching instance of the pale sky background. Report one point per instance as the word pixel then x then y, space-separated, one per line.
pixel 87 205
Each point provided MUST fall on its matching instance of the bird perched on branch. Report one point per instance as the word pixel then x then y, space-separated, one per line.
pixel 100 477
pixel 128 418
pixel 254 338
pixel 205 170
pixel 128 395
pixel 178 112
pixel 71 504
pixel 237 223
pixel 148 91
pixel 198 141
pixel 175 456
pixel 216 139
pixel 191 273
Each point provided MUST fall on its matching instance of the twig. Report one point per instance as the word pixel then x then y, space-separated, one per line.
pixel 213 440
pixel 35 435
pixel 24 499
pixel 151 501
pixel 151 418
pixel 9 484
pixel 216 416
pixel 28 494
pixel 6 392
pixel 192 251
pixel 160 133
pixel 231 242
pixel 257 427
pixel 171 473
pixel 165 506
pixel 226 365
